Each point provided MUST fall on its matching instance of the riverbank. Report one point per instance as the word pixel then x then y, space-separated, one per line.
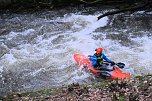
pixel 134 89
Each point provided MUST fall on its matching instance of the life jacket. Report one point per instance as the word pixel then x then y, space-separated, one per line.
pixel 99 60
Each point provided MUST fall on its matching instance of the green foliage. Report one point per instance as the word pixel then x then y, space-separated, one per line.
pixel 121 98
pixel 42 93
pixel 142 77
pixel 100 84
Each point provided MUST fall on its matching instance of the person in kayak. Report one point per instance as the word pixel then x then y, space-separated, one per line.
pixel 98 58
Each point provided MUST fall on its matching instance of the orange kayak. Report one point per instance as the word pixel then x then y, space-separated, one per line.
pixel 84 61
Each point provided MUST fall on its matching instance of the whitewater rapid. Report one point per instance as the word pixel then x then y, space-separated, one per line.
pixel 42 57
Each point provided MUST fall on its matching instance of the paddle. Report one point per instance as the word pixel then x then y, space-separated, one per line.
pixel 119 64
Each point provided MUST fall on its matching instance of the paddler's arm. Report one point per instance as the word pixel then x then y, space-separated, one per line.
pixel 107 59
pixel 92 57
pixel 93 60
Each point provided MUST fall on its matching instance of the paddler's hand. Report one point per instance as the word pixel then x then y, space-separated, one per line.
pixel 89 55
pixel 112 63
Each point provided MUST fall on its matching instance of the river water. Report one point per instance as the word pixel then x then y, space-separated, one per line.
pixel 36 48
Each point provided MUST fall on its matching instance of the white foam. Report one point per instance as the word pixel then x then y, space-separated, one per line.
pixel 15 34
pixel 79 74
pixel 144 52
pixel 34 73
pixel 1 70
pixel 140 12
pixel 92 24
pixel 149 12
pixel 146 48
pixel 9 58
pixel 83 43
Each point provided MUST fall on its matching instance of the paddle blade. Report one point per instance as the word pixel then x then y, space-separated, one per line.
pixel 120 65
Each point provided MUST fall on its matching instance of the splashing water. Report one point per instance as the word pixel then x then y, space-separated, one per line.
pixel 41 56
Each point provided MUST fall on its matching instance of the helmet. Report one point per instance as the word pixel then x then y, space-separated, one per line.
pixel 99 50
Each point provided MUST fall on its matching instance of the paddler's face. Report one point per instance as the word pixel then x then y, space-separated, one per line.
pixel 98 53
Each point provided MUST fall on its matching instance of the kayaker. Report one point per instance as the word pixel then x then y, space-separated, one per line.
pixel 98 58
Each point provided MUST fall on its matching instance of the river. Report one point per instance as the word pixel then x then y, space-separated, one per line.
pixel 36 48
